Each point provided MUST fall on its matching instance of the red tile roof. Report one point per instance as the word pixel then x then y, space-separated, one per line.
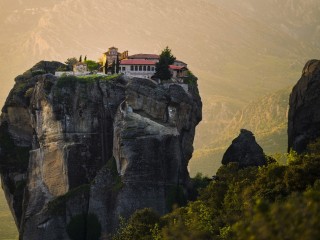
pixel 174 67
pixel 137 62
pixel 144 56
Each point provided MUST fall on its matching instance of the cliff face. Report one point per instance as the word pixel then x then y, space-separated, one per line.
pixel 93 149
pixel 304 112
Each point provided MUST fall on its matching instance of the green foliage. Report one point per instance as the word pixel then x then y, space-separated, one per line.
pixel 84 227
pixel 198 183
pixel 29 92
pixel 67 82
pixel 8 229
pixel 113 67
pixel 190 79
pixel 70 62
pixel 270 202
pixel 20 88
pixel 314 147
pixel 62 68
pixel 141 225
pixel 71 81
pixel 117 65
pixel 38 72
pixel 92 65
pixel 162 67
pixel 175 197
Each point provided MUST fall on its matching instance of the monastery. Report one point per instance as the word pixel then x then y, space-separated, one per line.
pixel 137 65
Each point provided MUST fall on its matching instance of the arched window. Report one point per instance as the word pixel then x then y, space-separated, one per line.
pixel 136 68
pixel 144 68
pixel 140 68
pixel 131 68
pixel 149 68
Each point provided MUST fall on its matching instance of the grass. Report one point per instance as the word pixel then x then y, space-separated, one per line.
pixel 8 229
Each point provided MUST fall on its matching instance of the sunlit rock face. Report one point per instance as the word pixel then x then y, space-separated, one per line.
pixel 304 111
pixel 92 147
pixel 245 151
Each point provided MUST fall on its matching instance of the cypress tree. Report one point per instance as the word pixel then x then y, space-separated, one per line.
pixel 80 58
pixel 162 67
pixel 113 67
pixel 106 67
pixel 118 65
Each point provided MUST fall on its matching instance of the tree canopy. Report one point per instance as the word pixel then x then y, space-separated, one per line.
pixel 270 202
pixel 92 65
pixel 162 67
pixel 70 62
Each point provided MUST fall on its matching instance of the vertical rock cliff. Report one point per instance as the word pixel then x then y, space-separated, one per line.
pixel 79 153
pixel 304 111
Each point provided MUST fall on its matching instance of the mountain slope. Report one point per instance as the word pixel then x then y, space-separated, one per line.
pixel 266 118
pixel 240 51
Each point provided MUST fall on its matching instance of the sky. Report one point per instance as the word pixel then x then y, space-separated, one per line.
pixel 240 50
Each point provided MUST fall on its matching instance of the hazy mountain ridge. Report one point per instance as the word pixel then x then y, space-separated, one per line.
pixel 239 51
pixel 266 118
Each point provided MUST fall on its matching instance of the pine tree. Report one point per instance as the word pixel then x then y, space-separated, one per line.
pixel 162 67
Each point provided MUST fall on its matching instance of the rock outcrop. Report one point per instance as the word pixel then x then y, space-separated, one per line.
pixel 304 111
pixel 92 148
pixel 245 151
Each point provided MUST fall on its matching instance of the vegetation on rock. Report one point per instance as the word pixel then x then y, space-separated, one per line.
pixel 162 67
pixel 267 202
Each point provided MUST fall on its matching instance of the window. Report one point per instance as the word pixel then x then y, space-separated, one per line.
pixel 149 68
pixel 136 68
pixel 144 68
pixel 131 68
pixel 123 69
pixel 152 69
pixel 140 68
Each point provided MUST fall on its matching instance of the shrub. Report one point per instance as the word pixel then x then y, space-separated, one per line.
pixel 29 92
pixel 139 226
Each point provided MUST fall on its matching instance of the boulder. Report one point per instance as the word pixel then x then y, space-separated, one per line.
pixel 245 151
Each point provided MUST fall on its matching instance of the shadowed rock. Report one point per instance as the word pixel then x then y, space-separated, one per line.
pixel 304 111
pixel 245 151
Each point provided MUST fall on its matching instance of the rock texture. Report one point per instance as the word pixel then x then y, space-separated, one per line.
pixel 73 147
pixel 304 111
pixel 245 151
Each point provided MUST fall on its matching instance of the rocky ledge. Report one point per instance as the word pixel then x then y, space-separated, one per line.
pixel 77 154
